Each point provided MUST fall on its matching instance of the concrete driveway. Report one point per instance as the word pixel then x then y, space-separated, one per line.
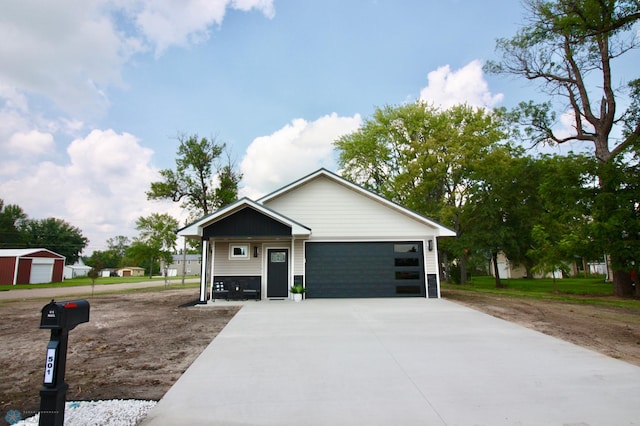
pixel 394 362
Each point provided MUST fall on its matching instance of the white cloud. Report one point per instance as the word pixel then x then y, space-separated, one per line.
pixel 101 189
pixel 447 88
pixel 295 150
pixel 65 50
pixel 183 22
pixel 31 143
pixel 72 51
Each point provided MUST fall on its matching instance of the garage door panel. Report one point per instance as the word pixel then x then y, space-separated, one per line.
pixel 41 273
pixel 342 270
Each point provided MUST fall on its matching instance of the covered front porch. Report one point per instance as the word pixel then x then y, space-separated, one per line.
pixel 248 252
pixel 250 268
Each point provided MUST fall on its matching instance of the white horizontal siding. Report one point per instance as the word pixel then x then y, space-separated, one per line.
pixel 298 261
pixel 225 266
pixel 335 211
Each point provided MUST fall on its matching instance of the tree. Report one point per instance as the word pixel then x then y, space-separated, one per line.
pixel 12 218
pixel 422 157
pixel 192 181
pixel 55 235
pixel 499 210
pixel 566 191
pixel 157 238
pixel 118 245
pixel 106 258
pixel 570 48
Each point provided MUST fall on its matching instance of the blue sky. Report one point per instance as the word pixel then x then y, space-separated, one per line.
pixel 94 92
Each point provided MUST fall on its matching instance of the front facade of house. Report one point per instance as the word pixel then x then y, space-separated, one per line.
pixel 30 266
pixel 184 264
pixel 335 238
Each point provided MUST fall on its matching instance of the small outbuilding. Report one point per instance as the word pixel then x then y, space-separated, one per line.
pixel 30 266
pixel 78 269
pixel 130 271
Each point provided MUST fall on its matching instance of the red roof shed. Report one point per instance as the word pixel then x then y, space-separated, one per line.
pixel 30 266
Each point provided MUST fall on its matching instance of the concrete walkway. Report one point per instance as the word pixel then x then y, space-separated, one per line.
pixel 79 291
pixel 394 362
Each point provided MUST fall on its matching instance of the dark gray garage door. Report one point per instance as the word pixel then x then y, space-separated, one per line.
pixel 376 269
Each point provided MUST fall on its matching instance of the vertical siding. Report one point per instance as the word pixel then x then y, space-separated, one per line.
pixel 7 270
pixel 58 271
pixel 43 253
pixel 24 271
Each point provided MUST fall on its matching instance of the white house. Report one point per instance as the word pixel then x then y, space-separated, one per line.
pixel 78 269
pixel 332 236
pixel 184 264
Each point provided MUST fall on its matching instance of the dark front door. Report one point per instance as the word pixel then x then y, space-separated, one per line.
pixel 278 273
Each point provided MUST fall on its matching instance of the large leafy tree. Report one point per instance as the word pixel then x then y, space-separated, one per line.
pixel 423 157
pixel 157 238
pixel 12 218
pixel 114 255
pixel 55 235
pixel 571 47
pixel 192 181
pixel 502 207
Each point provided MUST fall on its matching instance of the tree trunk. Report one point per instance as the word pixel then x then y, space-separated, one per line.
pixel 463 269
pixel 622 284
pixel 445 274
pixel 496 272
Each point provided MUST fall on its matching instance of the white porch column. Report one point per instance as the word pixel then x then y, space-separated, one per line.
pixel 293 262
pixel 203 271
pixel 212 275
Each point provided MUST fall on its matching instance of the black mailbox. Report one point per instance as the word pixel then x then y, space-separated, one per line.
pixel 59 317
pixel 64 315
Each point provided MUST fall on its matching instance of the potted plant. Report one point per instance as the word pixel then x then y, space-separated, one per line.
pixel 297 291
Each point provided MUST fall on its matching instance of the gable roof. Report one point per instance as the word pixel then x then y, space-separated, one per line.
pixel 443 231
pixel 26 252
pixel 195 229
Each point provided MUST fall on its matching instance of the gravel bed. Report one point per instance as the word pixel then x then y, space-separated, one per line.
pixel 115 412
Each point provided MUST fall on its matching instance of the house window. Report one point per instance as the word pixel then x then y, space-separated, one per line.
pixel 239 251
pixel 405 248
pixel 407 261
pixel 407 275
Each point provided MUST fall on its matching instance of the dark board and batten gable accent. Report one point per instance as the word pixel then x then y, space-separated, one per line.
pixel 247 222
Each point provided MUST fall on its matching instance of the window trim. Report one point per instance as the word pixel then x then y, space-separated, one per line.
pixel 243 247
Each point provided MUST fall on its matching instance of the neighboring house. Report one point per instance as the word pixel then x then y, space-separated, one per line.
pixel 508 270
pixel 30 266
pixel 108 272
pixel 130 271
pixel 189 264
pixel 334 237
pixel 78 269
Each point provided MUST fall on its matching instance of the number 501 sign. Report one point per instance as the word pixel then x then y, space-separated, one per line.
pixel 49 366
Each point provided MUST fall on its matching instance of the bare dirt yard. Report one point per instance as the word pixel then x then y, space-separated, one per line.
pixel 135 346
pixel 612 331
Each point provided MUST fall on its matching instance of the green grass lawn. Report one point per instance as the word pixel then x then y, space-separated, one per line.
pixel 574 290
pixel 87 281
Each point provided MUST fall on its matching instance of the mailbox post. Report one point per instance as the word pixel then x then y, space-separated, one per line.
pixel 60 318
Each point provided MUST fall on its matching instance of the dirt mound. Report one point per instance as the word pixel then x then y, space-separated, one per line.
pixel 135 346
